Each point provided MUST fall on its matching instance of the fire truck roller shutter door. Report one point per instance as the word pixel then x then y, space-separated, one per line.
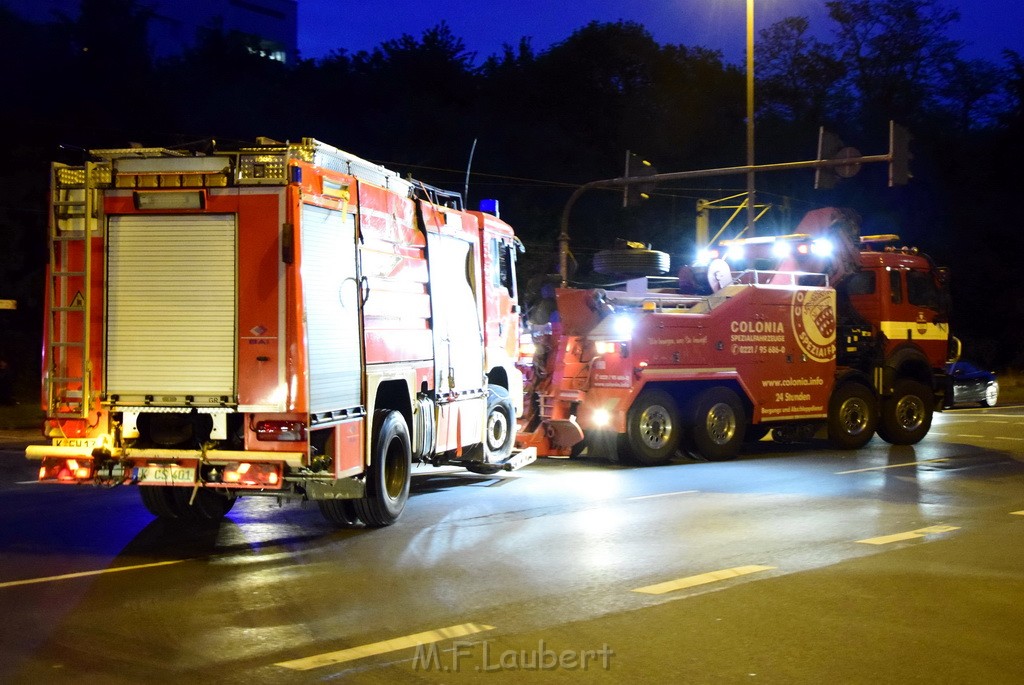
pixel 331 293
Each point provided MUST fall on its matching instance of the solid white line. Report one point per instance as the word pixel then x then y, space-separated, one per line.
pixel 84 574
pixel 909 535
pixel 664 494
pixel 384 646
pixel 891 466
pixel 701 579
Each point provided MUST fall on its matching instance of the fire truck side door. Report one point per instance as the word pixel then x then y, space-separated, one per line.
pixel 331 297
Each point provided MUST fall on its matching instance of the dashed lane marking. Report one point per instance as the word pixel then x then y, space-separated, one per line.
pixel 85 574
pixel 664 494
pixel 384 646
pixel 909 535
pixel 702 579
pixel 892 466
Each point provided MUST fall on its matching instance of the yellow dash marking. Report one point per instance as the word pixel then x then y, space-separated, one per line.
pixel 892 466
pixel 909 535
pixel 1018 513
pixel 84 574
pixel 384 646
pixel 702 579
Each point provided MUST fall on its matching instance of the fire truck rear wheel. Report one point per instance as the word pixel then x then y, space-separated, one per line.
pixel 340 512
pixel 501 417
pixel 388 477
pixel 654 428
pixel 719 424
pixel 907 415
pixel 852 416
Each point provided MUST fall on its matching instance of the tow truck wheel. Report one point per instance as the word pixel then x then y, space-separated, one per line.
pixel 388 476
pixel 719 424
pixel 501 418
pixel 852 416
pixel 653 428
pixel 340 512
pixel 907 415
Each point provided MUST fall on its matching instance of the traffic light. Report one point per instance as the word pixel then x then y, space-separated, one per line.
pixel 899 155
pixel 829 146
pixel 634 193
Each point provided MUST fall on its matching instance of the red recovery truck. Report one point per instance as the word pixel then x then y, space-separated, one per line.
pixel 818 329
pixel 280 319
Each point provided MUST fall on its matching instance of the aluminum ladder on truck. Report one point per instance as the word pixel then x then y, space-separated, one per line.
pixel 72 223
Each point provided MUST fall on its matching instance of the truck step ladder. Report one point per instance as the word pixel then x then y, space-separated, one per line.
pixel 72 224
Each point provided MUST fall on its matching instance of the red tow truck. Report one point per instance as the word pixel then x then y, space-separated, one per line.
pixel 818 329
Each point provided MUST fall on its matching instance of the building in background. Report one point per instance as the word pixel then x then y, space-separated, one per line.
pixel 176 25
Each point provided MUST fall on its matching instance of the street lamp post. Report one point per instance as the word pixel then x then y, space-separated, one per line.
pixel 751 204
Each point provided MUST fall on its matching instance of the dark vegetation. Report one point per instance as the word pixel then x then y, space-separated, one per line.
pixel 547 120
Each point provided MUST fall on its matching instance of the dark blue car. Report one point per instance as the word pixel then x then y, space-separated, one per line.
pixel 970 385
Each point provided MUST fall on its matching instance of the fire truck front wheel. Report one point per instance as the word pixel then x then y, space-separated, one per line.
pixel 501 417
pixel 852 416
pixel 177 503
pixel 388 476
pixel 907 415
pixel 718 423
pixel 654 428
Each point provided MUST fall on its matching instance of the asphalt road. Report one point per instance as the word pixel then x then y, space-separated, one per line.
pixel 793 564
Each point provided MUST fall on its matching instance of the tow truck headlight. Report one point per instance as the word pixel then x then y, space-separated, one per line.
pixel 822 248
pixel 623 327
pixel 781 249
pixel 705 256
pixel 735 253
pixel 601 418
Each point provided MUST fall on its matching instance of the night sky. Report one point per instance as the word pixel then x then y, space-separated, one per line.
pixel 485 25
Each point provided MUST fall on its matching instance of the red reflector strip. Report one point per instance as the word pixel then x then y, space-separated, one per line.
pixel 281 431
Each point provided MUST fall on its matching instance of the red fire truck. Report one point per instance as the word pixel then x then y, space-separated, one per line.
pixel 282 319
pixel 818 329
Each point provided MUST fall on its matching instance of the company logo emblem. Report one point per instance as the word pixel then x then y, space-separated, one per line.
pixel 814 323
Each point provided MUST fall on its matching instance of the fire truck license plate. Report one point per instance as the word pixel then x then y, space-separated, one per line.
pixel 165 475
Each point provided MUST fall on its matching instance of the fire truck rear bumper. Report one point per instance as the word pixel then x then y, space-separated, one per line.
pixel 156 455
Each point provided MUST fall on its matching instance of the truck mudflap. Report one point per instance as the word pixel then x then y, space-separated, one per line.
pixel 519 458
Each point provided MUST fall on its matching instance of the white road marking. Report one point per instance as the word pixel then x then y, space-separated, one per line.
pixel 909 535
pixel 384 646
pixel 701 579
pixel 664 494
pixel 891 466
pixel 85 574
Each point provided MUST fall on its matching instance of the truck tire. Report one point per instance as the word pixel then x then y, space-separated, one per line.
pixel 907 415
pixel 501 423
pixel 632 262
pixel 654 428
pixel 389 474
pixel 340 512
pixel 852 416
pixel 718 423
